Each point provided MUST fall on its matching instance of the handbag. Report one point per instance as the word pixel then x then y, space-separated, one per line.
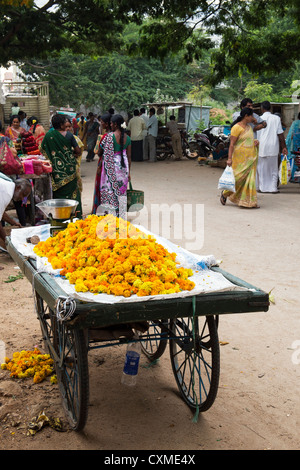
pixel 135 199
pixel 9 164
pixel 284 170
pixel 227 180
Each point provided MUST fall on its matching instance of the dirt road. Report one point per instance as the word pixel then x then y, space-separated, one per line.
pixel 257 406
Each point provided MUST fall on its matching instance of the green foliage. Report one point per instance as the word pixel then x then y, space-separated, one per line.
pixel 198 93
pixel 258 92
pixel 258 36
pixel 267 49
pixel 111 80
pixel 37 31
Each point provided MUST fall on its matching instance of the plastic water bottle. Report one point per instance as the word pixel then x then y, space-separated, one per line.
pixel 131 364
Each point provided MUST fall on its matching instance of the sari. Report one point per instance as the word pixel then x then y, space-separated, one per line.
pixel 293 144
pixel 81 132
pixel 96 199
pixel 78 164
pixel 244 162
pixel 13 133
pixel 64 171
pixel 111 183
pixel 38 133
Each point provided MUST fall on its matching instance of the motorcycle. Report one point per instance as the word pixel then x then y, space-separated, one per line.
pixel 164 148
pixel 207 143
pixel 200 147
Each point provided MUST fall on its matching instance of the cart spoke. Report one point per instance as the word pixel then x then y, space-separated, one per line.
pixel 154 341
pixel 194 353
pixel 72 369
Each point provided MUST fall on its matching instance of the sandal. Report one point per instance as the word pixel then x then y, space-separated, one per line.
pixel 222 199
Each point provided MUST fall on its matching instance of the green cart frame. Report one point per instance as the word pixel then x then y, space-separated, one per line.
pixel 190 326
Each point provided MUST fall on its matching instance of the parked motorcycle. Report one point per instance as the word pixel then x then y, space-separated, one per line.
pixel 164 148
pixel 207 143
pixel 199 147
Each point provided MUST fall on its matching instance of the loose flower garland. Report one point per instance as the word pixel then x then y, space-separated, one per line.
pixel 26 364
pixel 109 255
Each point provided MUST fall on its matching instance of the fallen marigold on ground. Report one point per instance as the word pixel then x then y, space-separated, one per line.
pixel 109 255
pixel 26 364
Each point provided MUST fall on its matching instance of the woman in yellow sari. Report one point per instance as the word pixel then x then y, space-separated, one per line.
pixel 81 131
pixel 243 156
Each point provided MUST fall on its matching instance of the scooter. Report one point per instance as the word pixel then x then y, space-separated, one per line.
pixel 199 147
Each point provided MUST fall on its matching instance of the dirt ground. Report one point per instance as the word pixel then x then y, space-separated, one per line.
pixel 257 406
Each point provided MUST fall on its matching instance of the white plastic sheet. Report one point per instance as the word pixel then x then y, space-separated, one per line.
pixel 206 280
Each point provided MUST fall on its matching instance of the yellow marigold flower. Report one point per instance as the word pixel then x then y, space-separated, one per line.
pixel 26 364
pixel 97 253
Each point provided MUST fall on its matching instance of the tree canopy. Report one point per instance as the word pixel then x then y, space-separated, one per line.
pixel 112 80
pixel 253 35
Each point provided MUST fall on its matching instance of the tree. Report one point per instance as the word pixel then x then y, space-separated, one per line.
pixel 243 34
pixel 258 92
pixel 112 80
pixel 31 31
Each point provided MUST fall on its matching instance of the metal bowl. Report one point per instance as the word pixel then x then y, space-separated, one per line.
pixel 58 208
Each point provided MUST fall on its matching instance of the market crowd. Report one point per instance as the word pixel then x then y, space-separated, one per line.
pixel 106 137
pixel 257 146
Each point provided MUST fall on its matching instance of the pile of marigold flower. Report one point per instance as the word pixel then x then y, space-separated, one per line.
pixel 109 255
pixel 26 364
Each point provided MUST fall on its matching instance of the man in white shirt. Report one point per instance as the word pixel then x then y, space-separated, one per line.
pixel 151 137
pixel 11 190
pixel 271 143
pixel 136 126
pixel 144 116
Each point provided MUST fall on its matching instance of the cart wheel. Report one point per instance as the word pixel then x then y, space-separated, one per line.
pixel 69 352
pixel 47 321
pixel 195 358
pixel 152 343
pixel 72 374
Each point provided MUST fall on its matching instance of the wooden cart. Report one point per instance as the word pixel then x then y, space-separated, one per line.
pixel 190 325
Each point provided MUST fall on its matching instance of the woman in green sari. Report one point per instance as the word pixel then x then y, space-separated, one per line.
pixel 62 150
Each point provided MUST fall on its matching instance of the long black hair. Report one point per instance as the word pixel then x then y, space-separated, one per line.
pixel 106 118
pixel 30 122
pixel 119 120
pixel 244 112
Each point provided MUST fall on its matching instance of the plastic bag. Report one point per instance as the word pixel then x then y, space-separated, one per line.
pixel 227 180
pixel 9 164
pixel 284 170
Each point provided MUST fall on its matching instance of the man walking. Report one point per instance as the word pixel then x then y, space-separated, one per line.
pixel 271 142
